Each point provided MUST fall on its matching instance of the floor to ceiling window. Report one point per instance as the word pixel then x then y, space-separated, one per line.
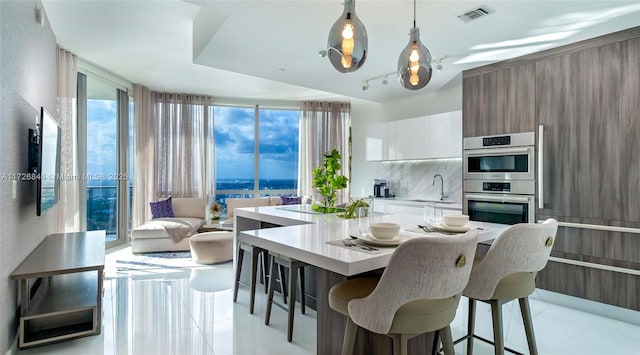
pixel 256 152
pixel 104 133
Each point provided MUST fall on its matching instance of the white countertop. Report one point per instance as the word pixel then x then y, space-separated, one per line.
pixel 304 237
pixel 417 202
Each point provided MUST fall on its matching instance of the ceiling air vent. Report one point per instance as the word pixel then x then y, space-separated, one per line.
pixel 474 14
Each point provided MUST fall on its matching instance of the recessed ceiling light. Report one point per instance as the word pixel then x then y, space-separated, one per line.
pixel 282 69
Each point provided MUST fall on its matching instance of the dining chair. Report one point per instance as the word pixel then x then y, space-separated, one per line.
pixel 508 272
pixel 418 292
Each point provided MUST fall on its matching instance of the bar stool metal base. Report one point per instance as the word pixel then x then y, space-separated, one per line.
pixel 496 315
pixel 295 268
pixel 256 254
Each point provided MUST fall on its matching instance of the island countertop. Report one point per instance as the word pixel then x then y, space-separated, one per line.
pixel 305 236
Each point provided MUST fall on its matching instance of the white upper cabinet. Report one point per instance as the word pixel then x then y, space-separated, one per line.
pixel 428 137
pixel 412 138
pixel 446 135
pixel 380 142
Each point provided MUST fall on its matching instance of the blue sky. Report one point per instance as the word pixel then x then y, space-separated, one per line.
pixel 101 139
pixel 234 140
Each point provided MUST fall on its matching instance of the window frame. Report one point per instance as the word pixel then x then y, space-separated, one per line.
pixel 256 191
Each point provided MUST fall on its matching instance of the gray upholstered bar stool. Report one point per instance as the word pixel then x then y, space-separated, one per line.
pixel 506 273
pixel 296 268
pixel 418 292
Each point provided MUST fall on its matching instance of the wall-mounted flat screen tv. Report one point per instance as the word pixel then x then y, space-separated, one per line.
pixel 49 164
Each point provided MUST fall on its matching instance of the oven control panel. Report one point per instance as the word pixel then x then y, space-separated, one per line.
pixel 492 141
pixel 496 186
pixel 511 187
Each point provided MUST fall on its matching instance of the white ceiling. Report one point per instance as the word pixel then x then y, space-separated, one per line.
pixel 237 49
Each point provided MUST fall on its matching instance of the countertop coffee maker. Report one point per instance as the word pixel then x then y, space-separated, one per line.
pixel 380 188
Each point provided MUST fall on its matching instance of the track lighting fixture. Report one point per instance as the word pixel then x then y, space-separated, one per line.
pixel 438 63
pixel 384 79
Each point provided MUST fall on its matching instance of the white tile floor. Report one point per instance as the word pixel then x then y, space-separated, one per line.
pixel 191 311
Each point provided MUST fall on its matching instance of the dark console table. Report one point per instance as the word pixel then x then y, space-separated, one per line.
pixel 61 288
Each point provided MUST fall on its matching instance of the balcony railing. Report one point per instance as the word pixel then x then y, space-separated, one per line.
pixel 102 202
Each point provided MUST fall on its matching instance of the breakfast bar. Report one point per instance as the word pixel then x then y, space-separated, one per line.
pixel 308 237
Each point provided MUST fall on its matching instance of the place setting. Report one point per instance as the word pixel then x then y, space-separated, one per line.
pixel 436 222
pixel 375 232
pixel 370 233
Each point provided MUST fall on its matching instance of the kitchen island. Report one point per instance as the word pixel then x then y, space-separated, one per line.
pixel 305 237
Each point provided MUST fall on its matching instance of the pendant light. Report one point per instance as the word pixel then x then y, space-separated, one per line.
pixel 414 63
pixel 347 44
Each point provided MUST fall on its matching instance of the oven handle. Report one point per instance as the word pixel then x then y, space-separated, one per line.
pixel 497 151
pixel 541 166
pixel 500 198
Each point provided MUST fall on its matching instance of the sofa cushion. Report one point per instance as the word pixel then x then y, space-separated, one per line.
pixel 175 228
pixel 161 209
pixel 188 207
pixel 291 200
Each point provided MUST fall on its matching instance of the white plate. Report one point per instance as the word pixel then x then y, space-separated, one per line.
pixel 369 239
pixel 446 228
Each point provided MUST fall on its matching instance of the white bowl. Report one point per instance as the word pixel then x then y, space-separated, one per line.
pixel 455 220
pixel 384 230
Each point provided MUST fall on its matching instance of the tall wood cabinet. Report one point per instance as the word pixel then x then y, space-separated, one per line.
pixel 499 101
pixel 589 104
pixel 586 96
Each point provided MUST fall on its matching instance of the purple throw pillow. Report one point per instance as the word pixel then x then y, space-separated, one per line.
pixel 162 208
pixel 291 200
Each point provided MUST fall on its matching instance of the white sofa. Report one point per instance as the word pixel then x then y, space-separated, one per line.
pixel 233 203
pixel 162 234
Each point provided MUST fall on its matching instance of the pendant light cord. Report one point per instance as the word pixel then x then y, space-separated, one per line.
pixel 414 13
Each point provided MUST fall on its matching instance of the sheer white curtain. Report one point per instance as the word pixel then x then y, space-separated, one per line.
pixel 144 188
pixel 323 126
pixel 69 207
pixel 169 140
pixel 180 144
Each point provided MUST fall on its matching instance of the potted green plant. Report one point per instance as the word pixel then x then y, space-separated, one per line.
pixel 352 209
pixel 327 180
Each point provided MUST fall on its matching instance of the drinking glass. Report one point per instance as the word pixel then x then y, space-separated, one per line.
pixel 432 214
pixel 364 219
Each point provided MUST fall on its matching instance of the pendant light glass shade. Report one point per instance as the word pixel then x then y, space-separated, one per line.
pixel 347 44
pixel 414 63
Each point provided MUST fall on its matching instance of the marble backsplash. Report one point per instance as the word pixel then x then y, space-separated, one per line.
pixel 414 180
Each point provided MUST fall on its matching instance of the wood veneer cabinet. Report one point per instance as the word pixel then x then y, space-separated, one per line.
pixel 588 102
pixel 586 96
pixel 501 101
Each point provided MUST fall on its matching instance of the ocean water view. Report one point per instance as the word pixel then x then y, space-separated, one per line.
pixel 102 198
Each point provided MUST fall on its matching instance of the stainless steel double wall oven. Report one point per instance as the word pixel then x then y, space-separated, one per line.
pixel 499 178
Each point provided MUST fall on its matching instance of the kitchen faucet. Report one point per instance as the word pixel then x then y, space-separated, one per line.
pixel 442 194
